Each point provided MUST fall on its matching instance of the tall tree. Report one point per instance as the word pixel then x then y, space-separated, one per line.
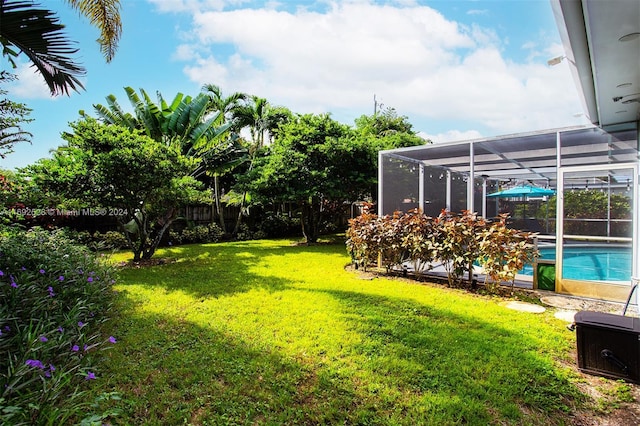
pixel 388 129
pixel 91 168
pixel 38 33
pixel 262 120
pixel 226 108
pixel 304 167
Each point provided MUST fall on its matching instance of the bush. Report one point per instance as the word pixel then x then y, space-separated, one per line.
pixel 244 233
pixel 55 296
pixel 175 237
pixel 363 239
pixel 211 233
pixel 110 240
pixel 504 252
pixel 276 225
pixel 457 241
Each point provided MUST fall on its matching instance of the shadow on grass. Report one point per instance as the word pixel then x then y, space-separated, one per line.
pixel 409 362
pixel 214 270
pixel 486 372
pixel 173 372
pixel 414 364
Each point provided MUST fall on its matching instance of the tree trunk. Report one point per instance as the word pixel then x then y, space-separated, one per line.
pixel 310 221
pixel 239 219
pixel 219 210
pixel 166 222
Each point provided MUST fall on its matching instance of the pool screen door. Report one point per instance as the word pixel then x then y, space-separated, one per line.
pixel 596 235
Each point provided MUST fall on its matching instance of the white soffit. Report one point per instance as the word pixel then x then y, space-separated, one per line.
pixel 602 43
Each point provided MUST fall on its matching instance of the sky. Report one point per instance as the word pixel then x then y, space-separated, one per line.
pixel 457 70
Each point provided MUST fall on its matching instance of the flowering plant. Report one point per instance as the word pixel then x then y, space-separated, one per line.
pixel 55 298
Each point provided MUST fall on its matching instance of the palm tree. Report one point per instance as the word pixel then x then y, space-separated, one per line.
pixel 262 120
pixel 38 34
pixel 227 107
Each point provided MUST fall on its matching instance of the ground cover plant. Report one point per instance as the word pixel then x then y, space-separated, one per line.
pixel 55 298
pixel 270 332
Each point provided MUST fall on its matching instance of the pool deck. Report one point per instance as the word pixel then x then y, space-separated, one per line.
pixel 566 305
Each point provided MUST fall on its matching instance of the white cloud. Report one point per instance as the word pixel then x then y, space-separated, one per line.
pixel 174 6
pixel 452 135
pixel 425 66
pixel 29 84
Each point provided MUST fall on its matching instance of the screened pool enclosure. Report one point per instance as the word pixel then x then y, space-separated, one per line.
pixel 588 197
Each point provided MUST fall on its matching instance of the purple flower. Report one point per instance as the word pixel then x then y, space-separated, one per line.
pixel 23 268
pixel 51 293
pixel 90 376
pixel 60 329
pixel 42 271
pixel 13 284
pixel 86 347
pixel 112 339
pixel 80 324
pixel 44 339
pixel 34 363
pixel 75 348
pixel 90 279
pixel 1 273
pixel 61 278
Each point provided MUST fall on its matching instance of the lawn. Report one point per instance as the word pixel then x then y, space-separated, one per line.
pixel 270 332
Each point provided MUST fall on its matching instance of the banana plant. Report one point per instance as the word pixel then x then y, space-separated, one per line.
pixel 185 121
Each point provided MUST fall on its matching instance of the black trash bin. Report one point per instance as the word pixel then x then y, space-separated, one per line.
pixel 608 345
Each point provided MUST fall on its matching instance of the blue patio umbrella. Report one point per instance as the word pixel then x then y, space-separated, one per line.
pixel 522 191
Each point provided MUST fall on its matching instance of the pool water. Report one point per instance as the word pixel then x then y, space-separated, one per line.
pixel 591 263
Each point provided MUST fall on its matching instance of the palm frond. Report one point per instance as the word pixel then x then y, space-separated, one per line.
pixel 104 14
pixel 38 34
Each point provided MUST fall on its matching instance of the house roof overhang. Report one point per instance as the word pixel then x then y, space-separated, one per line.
pixel 601 40
pixel 531 156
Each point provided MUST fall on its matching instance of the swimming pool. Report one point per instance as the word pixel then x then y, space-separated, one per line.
pixel 591 263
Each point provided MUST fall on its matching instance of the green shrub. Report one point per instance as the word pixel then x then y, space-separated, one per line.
pixel 210 233
pixel 275 225
pixel 244 233
pixel 260 235
pixel 278 226
pixel 113 240
pixel 175 237
pixel 82 237
pixel 55 296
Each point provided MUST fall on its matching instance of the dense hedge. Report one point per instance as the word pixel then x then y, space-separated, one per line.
pixel 457 241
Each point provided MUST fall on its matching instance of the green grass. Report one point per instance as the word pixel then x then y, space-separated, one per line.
pixel 267 332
